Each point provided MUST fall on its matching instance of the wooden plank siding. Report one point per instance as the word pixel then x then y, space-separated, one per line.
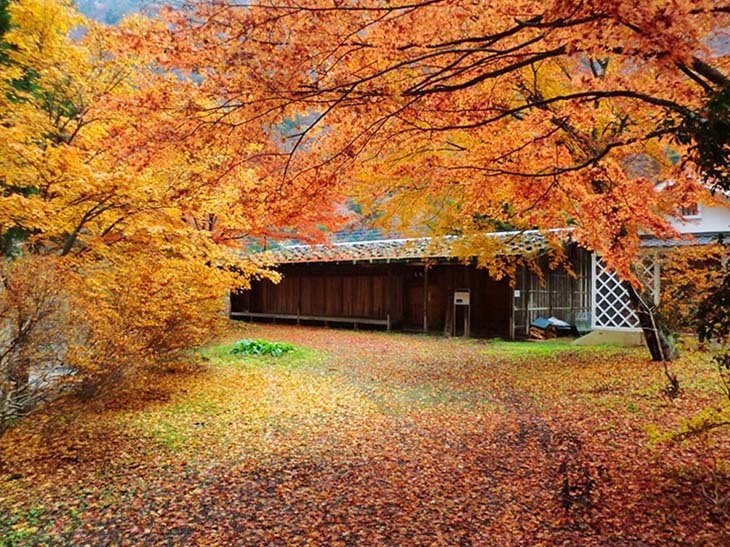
pixel 412 295
pixel 407 296
pixel 322 291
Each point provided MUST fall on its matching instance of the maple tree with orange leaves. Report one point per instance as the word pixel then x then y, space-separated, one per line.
pixel 446 117
pixel 462 116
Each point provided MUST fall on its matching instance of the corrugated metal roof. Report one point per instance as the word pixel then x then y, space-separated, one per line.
pixel 525 243
pixel 514 243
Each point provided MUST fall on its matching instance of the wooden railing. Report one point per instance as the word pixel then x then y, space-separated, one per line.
pixel 326 319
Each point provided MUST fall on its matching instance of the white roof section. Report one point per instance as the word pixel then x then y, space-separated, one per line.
pixel 514 243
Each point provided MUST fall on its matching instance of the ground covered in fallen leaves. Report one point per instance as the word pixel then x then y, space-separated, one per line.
pixel 366 438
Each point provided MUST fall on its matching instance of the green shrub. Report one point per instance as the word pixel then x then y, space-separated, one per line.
pixel 260 347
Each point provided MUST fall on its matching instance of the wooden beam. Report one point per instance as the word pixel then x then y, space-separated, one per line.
pixel 322 318
pixel 299 296
pixel 388 292
pixel 511 308
pixel 425 298
pixel 467 312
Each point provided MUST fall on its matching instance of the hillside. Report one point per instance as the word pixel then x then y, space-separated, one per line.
pixel 111 11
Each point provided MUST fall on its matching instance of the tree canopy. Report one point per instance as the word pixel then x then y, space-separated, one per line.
pixel 465 116
pixel 136 238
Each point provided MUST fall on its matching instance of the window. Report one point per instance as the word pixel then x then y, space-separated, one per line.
pixel 690 211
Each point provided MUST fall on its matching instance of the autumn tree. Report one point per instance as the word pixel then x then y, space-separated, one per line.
pixel 139 234
pixel 696 283
pixel 457 117
pixel 689 274
pixel 714 325
pixel 112 277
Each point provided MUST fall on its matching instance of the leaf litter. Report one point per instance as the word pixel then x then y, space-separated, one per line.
pixel 365 438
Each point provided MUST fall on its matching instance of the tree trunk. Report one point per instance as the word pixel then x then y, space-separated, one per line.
pixel 659 344
pixel 15 395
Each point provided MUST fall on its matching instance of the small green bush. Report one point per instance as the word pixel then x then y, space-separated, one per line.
pixel 260 347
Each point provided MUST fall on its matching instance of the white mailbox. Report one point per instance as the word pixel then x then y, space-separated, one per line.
pixel 461 298
pixel 461 309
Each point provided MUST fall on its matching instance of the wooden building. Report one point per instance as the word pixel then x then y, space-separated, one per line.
pixel 415 285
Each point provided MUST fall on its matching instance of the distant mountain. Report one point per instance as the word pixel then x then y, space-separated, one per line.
pixel 111 11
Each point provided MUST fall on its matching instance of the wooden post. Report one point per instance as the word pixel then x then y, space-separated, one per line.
pixel 594 289
pixel 656 286
pixel 526 280
pixel 449 322
pixel 388 293
pixel 299 297
pixel 467 311
pixel 467 316
pixel 425 298
pixel 511 308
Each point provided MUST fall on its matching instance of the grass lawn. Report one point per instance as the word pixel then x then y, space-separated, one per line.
pixel 367 438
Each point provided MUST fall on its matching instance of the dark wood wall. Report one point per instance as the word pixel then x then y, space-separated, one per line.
pixel 414 296
pixel 329 290
pixel 407 296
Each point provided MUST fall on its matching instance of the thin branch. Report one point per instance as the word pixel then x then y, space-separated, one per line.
pixel 556 52
pixel 583 95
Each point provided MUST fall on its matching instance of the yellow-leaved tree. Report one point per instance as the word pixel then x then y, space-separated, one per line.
pixel 120 246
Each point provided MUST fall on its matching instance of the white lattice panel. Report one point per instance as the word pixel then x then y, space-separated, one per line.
pixel 611 305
